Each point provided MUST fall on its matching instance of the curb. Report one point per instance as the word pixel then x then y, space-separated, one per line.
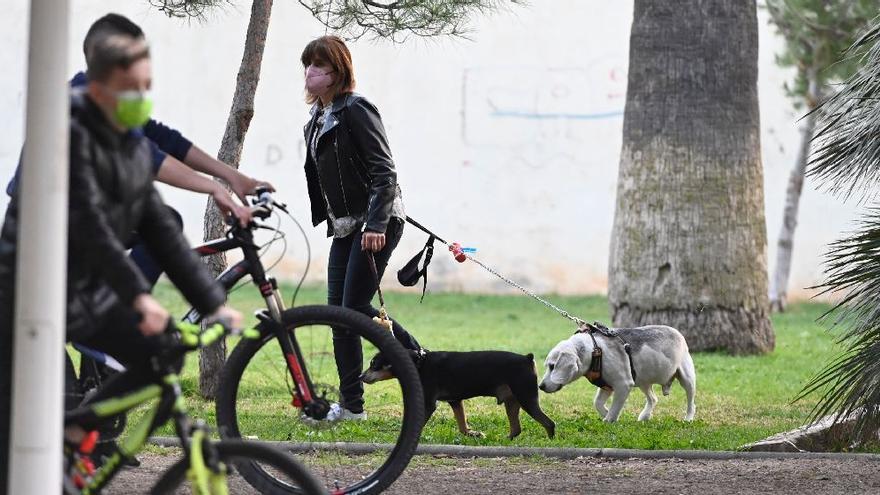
pixel 553 452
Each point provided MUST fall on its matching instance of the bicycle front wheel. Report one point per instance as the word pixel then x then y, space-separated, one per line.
pixel 237 453
pixel 256 401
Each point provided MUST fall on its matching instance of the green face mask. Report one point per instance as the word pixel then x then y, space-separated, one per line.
pixel 133 108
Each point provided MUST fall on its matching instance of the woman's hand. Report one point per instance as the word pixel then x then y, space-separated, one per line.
pixel 372 241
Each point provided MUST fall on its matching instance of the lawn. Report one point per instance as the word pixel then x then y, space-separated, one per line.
pixel 739 399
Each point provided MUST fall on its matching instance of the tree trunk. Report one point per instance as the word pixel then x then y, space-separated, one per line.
pixel 211 359
pixel 689 243
pixel 779 282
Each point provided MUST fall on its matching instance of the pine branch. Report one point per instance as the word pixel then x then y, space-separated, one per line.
pixel 195 9
pixel 398 19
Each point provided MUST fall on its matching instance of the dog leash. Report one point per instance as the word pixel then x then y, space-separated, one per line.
pixel 461 256
pixel 382 319
pixel 594 374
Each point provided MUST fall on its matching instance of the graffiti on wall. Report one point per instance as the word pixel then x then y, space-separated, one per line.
pixel 538 115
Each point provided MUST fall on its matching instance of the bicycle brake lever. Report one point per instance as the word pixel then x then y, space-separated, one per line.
pixel 263 316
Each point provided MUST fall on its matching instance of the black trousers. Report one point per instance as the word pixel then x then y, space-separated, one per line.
pixel 118 336
pixel 351 284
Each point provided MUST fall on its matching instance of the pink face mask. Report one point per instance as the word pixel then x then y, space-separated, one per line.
pixel 317 81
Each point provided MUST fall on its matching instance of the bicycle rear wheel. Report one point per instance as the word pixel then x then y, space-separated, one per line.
pixel 256 395
pixel 237 453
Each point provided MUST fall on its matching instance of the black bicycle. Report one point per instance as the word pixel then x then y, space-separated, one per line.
pixel 205 463
pixel 280 386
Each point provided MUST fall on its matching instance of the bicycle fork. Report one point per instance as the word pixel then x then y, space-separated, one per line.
pixel 206 473
pixel 303 396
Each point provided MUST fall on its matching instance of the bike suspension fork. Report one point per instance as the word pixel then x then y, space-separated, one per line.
pixel 304 391
pixel 274 303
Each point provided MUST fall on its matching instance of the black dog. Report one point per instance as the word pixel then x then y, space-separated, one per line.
pixel 456 376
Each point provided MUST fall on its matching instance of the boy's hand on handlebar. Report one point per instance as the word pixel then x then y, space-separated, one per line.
pixel 242 186
pixel 229 207
pixel 229 317
pixel 154 318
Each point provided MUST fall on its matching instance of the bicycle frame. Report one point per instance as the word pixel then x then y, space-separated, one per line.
pixel 242 238
pixel 169 406
pixel 251 265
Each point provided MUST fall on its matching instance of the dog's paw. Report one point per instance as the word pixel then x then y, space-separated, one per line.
pixel 475 434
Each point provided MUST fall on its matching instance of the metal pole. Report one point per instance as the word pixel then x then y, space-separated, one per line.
pixel 40 291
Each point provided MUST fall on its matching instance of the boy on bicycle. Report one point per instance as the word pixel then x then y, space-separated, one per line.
pixel 111 195
pixel 176 159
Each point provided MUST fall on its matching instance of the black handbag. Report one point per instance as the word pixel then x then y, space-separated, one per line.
pixel 410 274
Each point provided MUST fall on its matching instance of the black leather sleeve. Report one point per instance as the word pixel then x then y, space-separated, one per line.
pixel 92 240
pixel 165 242
pixel 371 144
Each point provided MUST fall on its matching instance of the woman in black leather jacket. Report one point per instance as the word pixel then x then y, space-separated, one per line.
pixel 353 187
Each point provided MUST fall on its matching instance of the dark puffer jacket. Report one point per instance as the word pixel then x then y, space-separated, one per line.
pixel 354 163
pixel 111 196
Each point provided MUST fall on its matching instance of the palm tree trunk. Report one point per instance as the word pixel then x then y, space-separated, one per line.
pixel 785 246
pixel 211 359
pixel 689 241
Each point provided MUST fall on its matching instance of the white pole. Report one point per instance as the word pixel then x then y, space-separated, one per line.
pixel 40 291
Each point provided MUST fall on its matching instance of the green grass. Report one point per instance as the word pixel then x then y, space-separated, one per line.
pixel 739 399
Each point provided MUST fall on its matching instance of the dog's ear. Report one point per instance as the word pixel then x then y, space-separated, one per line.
pixel 530 356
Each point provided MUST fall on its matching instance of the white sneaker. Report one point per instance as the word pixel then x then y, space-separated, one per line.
pixel 339 413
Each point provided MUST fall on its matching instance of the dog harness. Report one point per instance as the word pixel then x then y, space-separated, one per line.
pixel 594 373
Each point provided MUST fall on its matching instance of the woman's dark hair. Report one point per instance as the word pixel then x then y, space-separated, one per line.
pixel 332 50
pixel 112 23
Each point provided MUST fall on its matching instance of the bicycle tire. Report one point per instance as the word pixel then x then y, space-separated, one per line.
pixel 368 480
pixel 238 452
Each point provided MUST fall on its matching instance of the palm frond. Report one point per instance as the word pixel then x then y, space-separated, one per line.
pixel 846 150
pixel 849 386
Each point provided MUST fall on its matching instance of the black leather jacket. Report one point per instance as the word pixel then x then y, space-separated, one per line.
pixel 354 163
pixel 111 197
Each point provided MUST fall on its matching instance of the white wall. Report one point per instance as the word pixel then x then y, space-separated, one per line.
pixel 507 142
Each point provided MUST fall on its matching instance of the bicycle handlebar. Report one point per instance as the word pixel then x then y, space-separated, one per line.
pixel 263 205
pixel 190 336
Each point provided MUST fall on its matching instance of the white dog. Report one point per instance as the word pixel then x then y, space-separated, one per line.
pixel 659 355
